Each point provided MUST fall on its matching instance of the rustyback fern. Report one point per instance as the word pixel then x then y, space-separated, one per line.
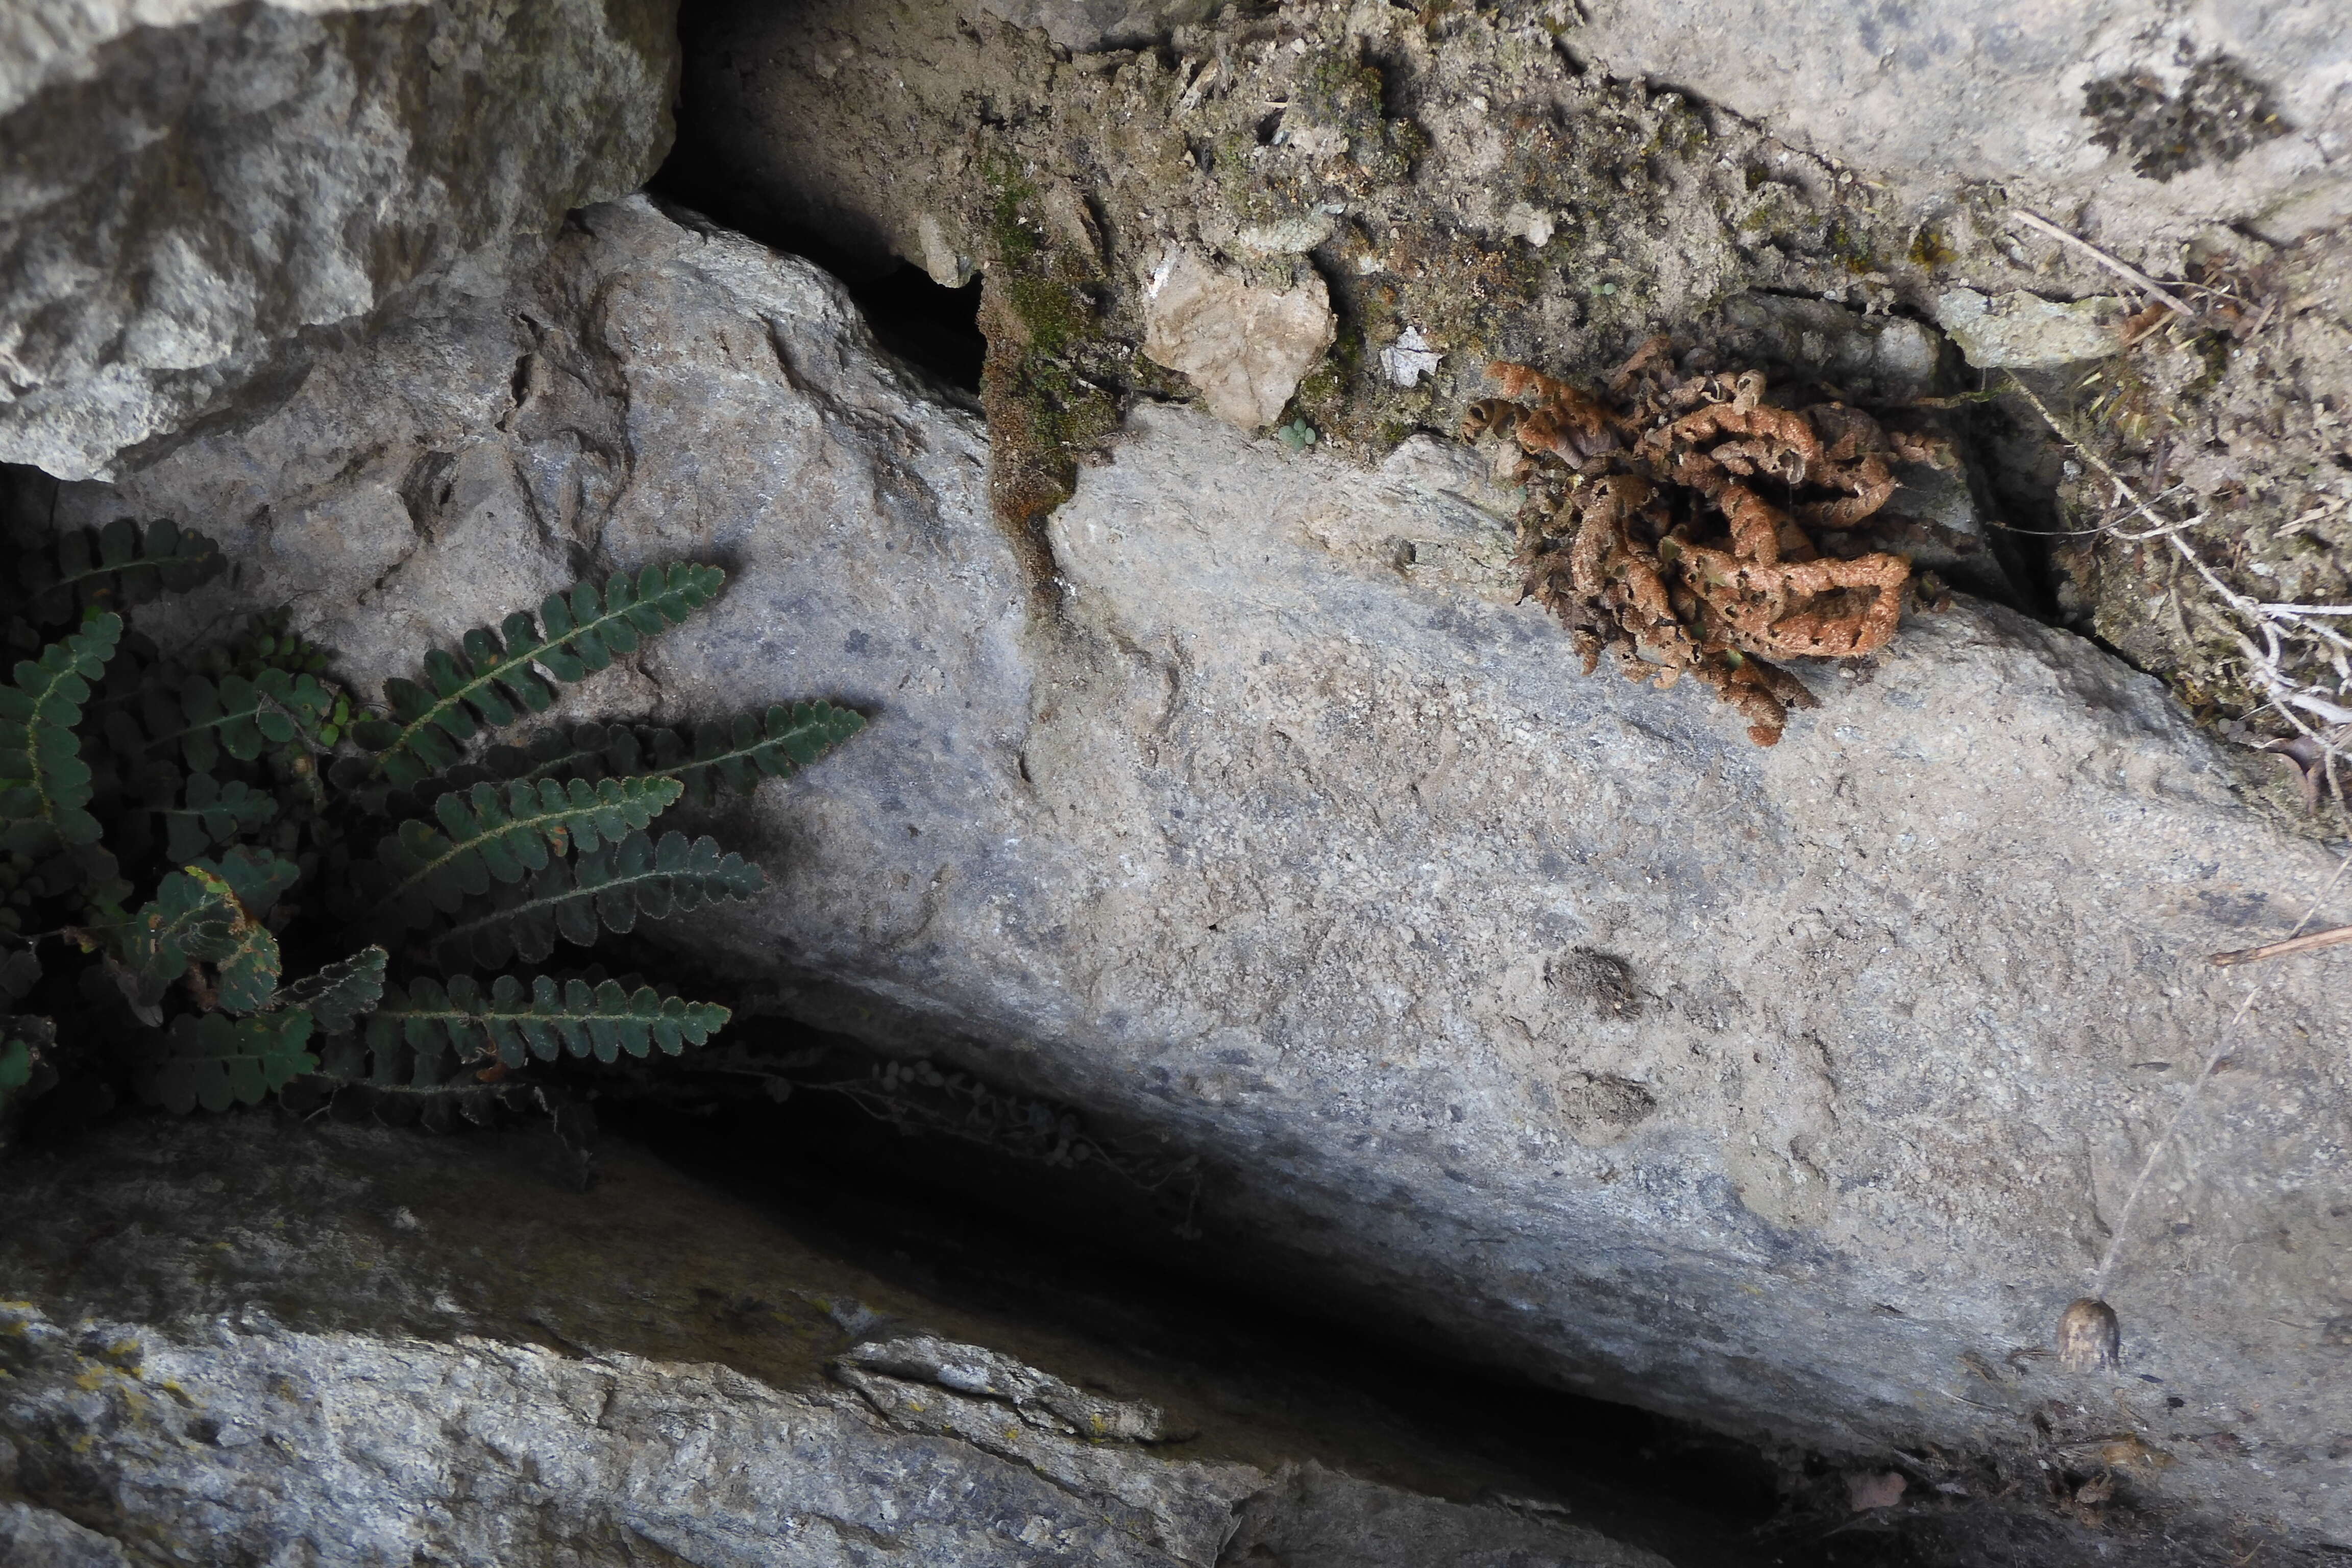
pixel 121 564
pixel 257 855
pixel 211 812
pixel 216 1061
pixel 210 913
pixel 500 676
pixel 338 994
pixel 240 715
pixel 45 784
pixel 491 834
pixel 609 891
pixel 510 1024
pixel 720 754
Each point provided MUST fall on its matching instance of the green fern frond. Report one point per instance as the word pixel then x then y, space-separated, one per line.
pixel 610 889
pixel 212 812
pixel 504 1022
pixel 45 784
pixel 337 995
pixel 209 913
pixel 734 753
pixel 744 750
pixel 493 834
pixel 495 681
pixel 117 566
pixel 216 1061
pixel 240 715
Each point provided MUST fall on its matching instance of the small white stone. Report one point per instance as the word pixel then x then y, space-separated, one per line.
pixel 1409 359
pixel 1246 347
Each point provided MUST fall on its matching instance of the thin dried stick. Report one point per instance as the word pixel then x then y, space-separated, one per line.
pixel 2280 948
pixel 2130 274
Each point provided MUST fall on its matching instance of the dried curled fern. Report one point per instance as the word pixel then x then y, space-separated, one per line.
pixel 499 678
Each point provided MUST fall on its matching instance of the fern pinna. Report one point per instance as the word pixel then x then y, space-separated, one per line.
pixel 400 862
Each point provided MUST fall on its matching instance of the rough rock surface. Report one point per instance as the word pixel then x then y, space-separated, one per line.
pixel 2013 91
pixel 1245 347
pixel 234 1341
pixel 2018 331
pixel 1797 1090
pixel 1552 184
pixel 191 184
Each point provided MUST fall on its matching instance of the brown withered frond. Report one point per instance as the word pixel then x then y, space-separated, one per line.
pixel 1649 532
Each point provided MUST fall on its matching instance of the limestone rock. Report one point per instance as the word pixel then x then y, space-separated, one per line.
pixel 291 1365
pixel 43 1536
pixel 191 184
pixel 1779 1089
pixel 1089 25
pixel 2011 91
pixel 2018 331
pixel 1244 346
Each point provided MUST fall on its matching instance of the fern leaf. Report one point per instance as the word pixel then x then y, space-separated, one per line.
pixel 501 675
pixel 502 1022
pixel 610 889
pixel 258 877
pixel 216 1061
pixel 23 1048
pixel 340 993
pixel 738 754
pixel 734 753
pixel 16 1068
pixel 493 834
pixel 118 565
pixel 45 784
pixel 240 715
pixel 209 913
pixel 212 812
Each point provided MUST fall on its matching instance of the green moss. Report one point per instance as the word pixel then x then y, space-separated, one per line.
pixel 1930 248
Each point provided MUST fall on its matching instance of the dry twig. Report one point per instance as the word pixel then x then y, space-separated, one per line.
pixel 2337 937
pixel 2123 270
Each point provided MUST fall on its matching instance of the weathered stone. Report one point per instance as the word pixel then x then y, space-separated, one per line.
pixel 1246 347
pixel 191 184
pixel 293 1364
pixel 2011 91
pixel 2018 331
pixel 1797 1090
pixel 40 1535
pixel 1089 25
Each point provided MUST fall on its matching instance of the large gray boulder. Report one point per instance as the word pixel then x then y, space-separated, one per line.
pixel 1796 1090
pixel 191 184
pixel 235 1341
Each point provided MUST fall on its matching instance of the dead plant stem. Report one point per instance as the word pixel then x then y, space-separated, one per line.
pixel 2130 274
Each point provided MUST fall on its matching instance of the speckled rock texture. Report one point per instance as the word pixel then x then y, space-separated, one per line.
pixel 2156 118
pixel 241 1341
pixel 1796 1090
pixel 191 184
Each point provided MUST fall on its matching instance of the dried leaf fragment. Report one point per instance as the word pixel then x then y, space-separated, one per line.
pixel 2089 1338
pixel 1654 527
